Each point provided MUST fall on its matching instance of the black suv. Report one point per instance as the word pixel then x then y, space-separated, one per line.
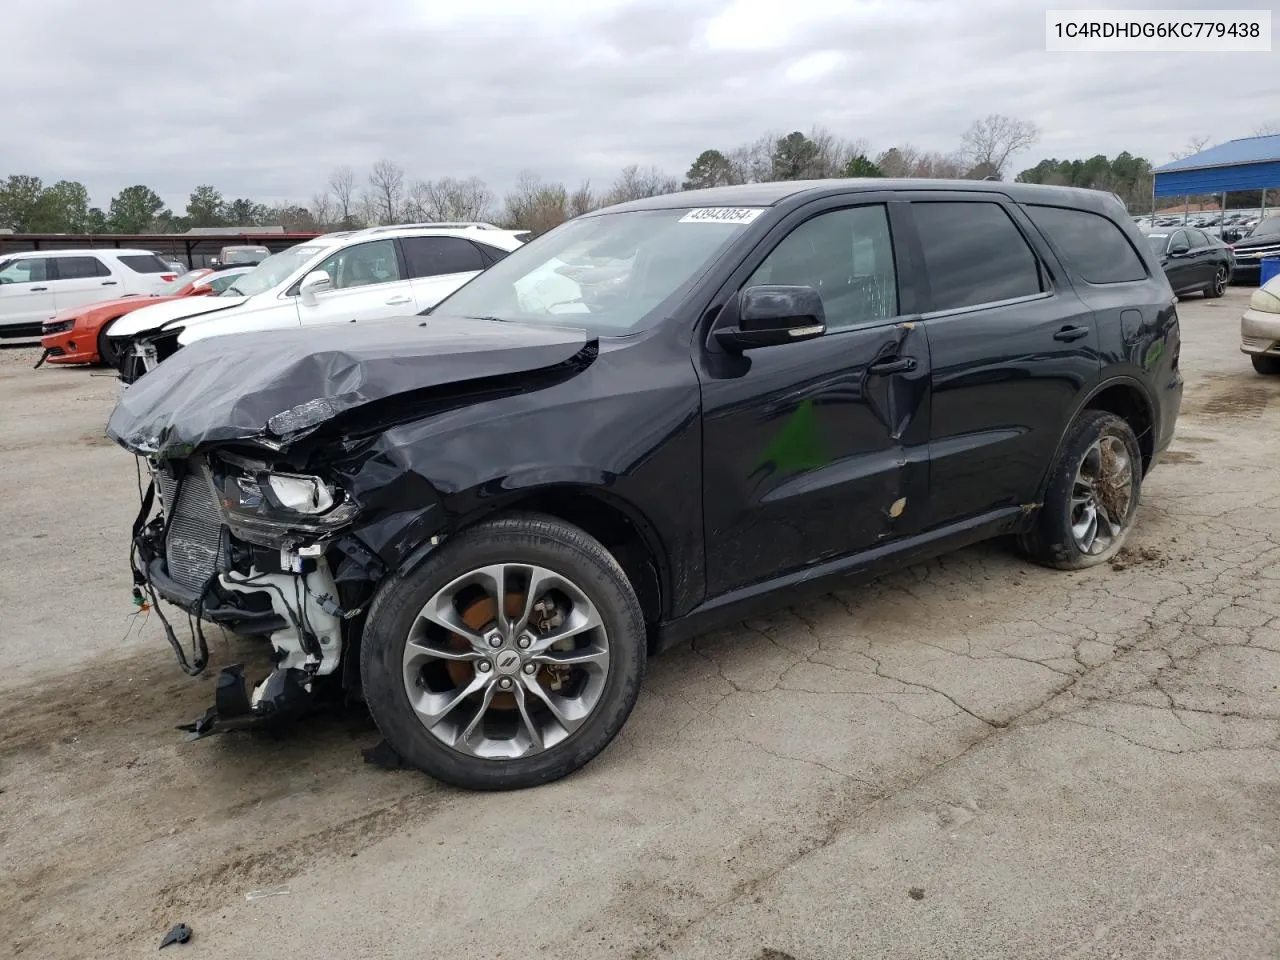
pixel 641 425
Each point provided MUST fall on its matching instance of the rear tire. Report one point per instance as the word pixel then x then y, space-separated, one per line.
pixel 1269 366
pixel 460 708
pixel 1092 496
pixel 108 352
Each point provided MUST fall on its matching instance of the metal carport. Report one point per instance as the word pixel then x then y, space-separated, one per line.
pixel 1251 163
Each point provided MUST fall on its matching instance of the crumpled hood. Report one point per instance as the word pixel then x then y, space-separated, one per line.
pixel 154 316
pixel 279 385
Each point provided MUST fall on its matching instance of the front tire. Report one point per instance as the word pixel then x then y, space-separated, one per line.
pixel 1218 285
pixel 1269 366
pixel 108 352
pixel 500 694
pixel 1092 497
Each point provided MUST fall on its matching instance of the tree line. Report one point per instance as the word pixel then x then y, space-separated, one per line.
pixel 385 194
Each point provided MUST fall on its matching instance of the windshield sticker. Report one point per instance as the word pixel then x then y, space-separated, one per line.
pixel 722 215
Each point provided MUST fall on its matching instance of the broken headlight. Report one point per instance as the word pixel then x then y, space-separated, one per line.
pixel 268 508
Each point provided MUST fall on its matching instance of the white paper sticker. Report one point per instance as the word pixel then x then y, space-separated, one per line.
pixel 722 215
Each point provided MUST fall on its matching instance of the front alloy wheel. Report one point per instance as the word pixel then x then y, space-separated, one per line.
pixel 506 661
pixel 1101 496
pixel 510 658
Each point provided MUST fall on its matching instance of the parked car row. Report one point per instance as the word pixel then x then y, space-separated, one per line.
pixel 1194 261
pixel 35 285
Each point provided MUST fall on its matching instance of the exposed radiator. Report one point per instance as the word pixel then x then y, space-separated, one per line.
pixel 193 547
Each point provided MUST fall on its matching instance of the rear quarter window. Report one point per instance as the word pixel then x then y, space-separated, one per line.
pixel 145 263
pixel 1094 246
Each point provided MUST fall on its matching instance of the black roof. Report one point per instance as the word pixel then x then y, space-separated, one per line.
pixel 776 192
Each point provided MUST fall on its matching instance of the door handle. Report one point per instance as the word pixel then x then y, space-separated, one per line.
pixel 39 289
pixel 398 300
pixel 1067 334
pixel 108 283
pixel 901 365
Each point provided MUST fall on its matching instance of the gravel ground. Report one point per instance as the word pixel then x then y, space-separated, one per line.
pixel 973 757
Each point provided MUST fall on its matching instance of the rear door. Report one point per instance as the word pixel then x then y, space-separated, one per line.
pixel 26 292
pixel 368 283
pixel 439 265
pixel 1011 345
pixel 82 279
pixel 817 449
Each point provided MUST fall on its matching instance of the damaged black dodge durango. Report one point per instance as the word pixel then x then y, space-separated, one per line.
pixel 645 423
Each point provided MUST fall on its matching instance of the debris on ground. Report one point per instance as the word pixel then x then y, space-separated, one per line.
pixel 253 895
pixel 916 893
pixel 382 754
pixel 1128 557
pixel 180 933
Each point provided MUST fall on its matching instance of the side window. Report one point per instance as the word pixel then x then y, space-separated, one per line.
pixel 1179 239
pixel 847 256
pixel 363 264
pixel 1198 239
pixel 490 254
pixel 30 270
pixel 81 268
pixel 1095 246
pixel 974 254
pixel 145 263
pixel 437 256
pixel 220 283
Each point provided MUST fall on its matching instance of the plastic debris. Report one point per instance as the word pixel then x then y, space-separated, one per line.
pixel 180 933
pixel 253 895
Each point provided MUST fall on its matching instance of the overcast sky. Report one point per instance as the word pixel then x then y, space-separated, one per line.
pixel 263 99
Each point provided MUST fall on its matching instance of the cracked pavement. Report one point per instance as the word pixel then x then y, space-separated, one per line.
pixel 971 757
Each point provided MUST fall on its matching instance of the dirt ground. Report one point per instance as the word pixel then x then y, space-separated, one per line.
pixel 971 758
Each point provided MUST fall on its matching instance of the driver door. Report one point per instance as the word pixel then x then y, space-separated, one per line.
pixel 368 283
pixel 26 292
pixel 818 449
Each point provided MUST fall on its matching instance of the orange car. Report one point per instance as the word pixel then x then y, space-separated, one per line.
pixel 78 334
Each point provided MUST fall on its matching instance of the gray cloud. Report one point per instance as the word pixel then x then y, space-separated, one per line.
pixel 263 99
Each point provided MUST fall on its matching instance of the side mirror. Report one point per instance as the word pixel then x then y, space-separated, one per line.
pixel 314 283
pixel 772 314
pixel 1181 250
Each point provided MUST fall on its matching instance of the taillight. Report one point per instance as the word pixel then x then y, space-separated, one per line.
pixel 168 277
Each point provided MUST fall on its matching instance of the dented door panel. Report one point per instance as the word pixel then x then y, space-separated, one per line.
pixel 811 453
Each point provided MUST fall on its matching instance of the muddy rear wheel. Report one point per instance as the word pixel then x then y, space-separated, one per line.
pixel 510 658
pixel 1092 497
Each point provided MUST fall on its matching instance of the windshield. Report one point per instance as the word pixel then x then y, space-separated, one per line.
pixel 605 273
pixel 272 271
pixel 1157 241
pixel 175 286
pixel 245 254
pixel 1269 227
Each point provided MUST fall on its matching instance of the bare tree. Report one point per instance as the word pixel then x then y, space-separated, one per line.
pixel 907 160
pixel 535 205
pixel 995 138
pixel 386 187
pixel 581 200
pixel 1267 129
pixel 1194 145
pixel 342 186
pixel 322 209
pixel 636 182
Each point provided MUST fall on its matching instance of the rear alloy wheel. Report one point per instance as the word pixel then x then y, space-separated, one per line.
pixel 510 658
pixel 108 351
pixel 1092 497
pixel 1266 365
pixel 1219 284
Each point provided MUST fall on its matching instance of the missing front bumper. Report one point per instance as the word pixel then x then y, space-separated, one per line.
pixel 281 696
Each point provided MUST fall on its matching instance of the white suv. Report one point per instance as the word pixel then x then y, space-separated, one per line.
pixel 36 284
pixel 353 275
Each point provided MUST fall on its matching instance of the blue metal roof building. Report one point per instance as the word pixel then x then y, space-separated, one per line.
pixel 1252 163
